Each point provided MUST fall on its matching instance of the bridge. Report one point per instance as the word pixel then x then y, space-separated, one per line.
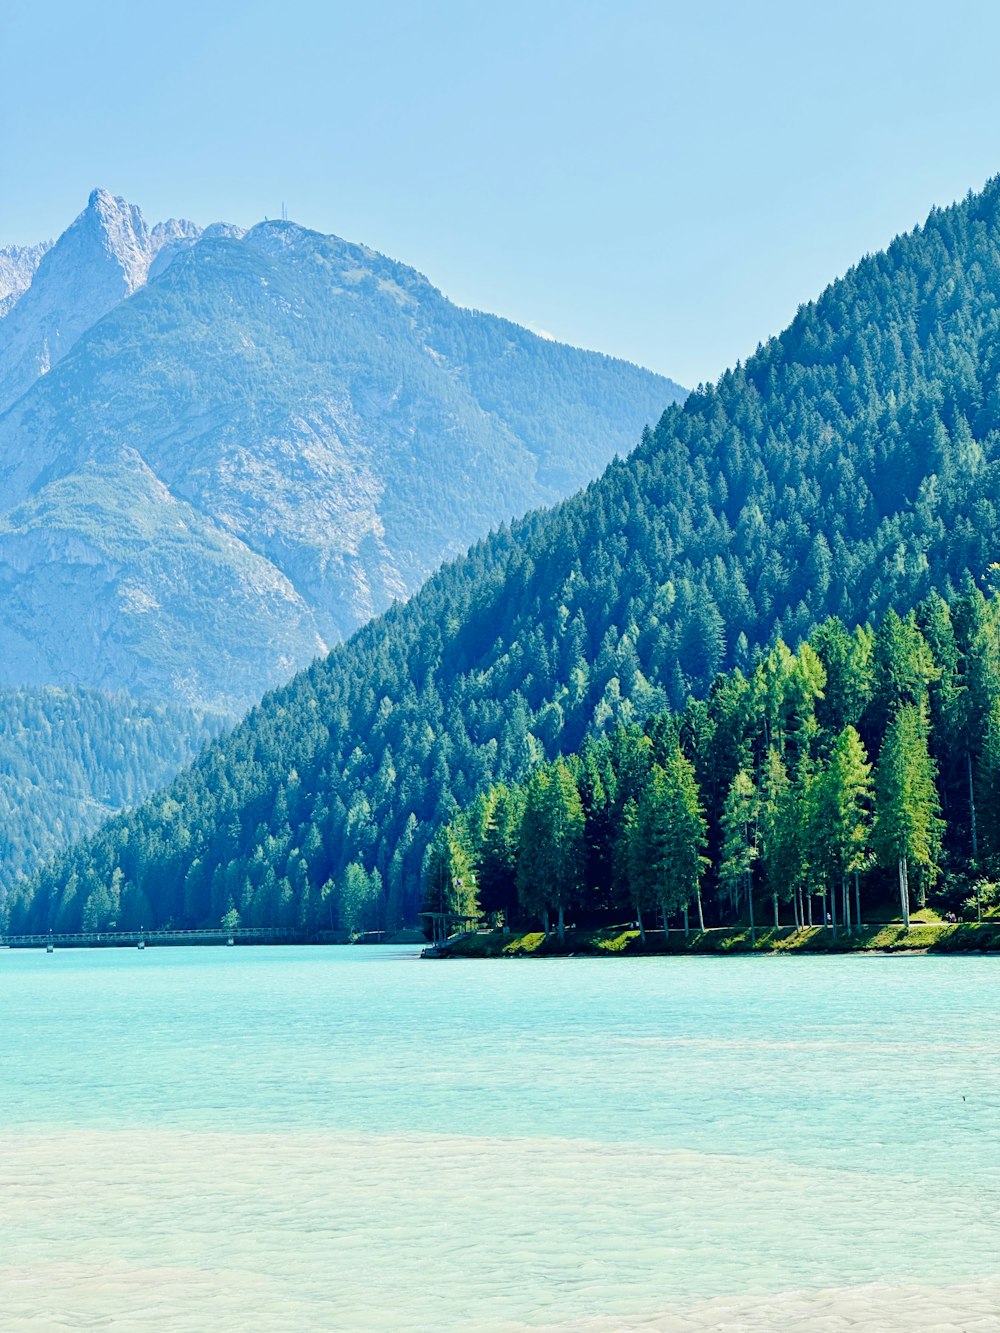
pixel 118 939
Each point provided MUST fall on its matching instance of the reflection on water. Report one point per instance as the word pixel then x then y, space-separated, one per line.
pixel 350 1138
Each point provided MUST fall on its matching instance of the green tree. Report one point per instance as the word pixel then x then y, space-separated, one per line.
pixel 358 899
pixel 843 795
pixel 495 857
pixel 847 661
pixel 989 785
pixel 903 669
pixel 907 823
pixel 552 848
pixel 782 834
pixel 671 835
pixel 978 681
pixel 739 848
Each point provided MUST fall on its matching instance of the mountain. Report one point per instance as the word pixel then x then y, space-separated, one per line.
pixel 246 445
pixel 851 465
pixel 97 262
pixel 17 267
pixel 70 758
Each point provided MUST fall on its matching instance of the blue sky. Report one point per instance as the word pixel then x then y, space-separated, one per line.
pixel 664 182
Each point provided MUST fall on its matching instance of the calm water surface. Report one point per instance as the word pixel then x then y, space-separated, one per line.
pixel 353 1138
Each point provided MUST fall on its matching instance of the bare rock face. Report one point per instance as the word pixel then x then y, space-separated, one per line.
pixel 223 452
pixel 96 263
pixel 17 268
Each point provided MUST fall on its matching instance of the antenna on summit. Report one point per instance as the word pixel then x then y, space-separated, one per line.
pixel 284 212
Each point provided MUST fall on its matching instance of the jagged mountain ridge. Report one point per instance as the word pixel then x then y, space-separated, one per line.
pixel 851 465
pixel 98 261
pixel 260 441
pixel 105 255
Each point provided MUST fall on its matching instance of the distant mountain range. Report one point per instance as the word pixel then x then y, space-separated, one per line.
pixel 221 452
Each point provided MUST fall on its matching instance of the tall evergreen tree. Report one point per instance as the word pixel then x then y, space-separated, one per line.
pixel 843 820
pixel 668 839
pixel 978 676
pixel 907 824
pixel 739 829
pixel 989 786
pixel 552 848
pixel 496 855
pixel 783 835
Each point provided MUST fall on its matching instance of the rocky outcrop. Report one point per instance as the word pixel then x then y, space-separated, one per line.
pixel 96 263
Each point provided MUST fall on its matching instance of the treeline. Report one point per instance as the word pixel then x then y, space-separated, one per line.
pixel 71 757
pixel 849 467
pixel 868 761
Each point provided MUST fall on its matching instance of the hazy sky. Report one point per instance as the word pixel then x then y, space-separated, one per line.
pixel 662 181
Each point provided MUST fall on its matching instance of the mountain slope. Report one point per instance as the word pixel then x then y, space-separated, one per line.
pixel 851 465
pixel 98 261
pixel 71 758
pixel 309 428
pixel 17 268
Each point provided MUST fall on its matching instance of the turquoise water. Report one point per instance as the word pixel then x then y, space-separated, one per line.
pixel 356 1138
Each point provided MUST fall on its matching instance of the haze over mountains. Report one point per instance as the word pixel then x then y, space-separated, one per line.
pixel 850 466
pixel 221 453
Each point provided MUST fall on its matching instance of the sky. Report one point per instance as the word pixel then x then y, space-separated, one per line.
pixel 665 182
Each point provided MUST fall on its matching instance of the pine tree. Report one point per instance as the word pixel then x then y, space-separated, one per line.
pixel 843 798
pixel 551 850
pixel 782 834
pixel 496 856
pixel 449 879
pixel 978 677
pixel 903 670
pixel 565 833
pixel 639 841
pixel 739 850
pixel 907 823
pixel 988 786
pixel 687 838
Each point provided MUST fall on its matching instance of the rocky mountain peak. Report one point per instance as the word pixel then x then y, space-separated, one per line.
pixel 98 261
pixel 172 231
pixel 119 230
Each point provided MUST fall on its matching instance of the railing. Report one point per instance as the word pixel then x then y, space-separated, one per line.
pixel 125 938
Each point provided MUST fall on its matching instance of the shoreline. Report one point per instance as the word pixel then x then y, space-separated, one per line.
pixel 881 940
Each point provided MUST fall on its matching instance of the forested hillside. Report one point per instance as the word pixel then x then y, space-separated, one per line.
pixel 69 758
pixel 851 465
pixel 865 765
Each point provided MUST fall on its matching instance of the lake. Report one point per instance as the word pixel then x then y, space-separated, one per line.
pixel 351 1138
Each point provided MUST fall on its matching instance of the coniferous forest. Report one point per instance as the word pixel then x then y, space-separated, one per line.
pixel 867 764
pixel 848 469
pixel 71 757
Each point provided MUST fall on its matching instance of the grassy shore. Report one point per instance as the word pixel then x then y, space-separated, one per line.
pixel 886 937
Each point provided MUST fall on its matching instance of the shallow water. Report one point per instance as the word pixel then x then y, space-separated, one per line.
pixel 352 1138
